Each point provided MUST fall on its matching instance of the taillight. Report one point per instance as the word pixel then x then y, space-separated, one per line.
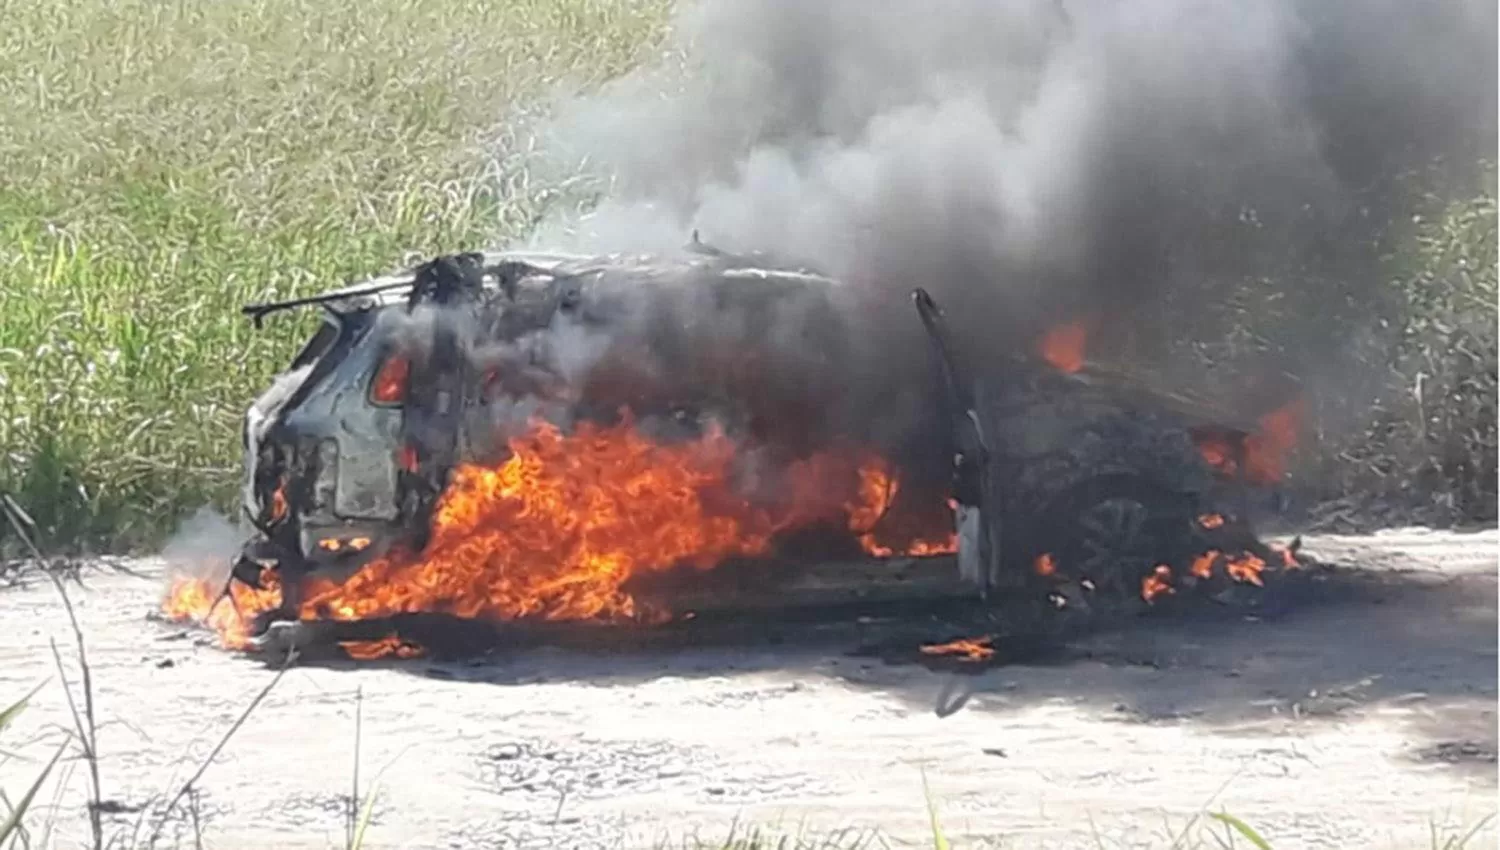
pixel 390 382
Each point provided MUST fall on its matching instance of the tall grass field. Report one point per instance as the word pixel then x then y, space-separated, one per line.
pixel 164 163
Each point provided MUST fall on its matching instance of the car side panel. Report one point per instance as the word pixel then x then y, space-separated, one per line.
pixel 338 408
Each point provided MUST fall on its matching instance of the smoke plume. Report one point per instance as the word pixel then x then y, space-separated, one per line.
pixel 1031 160
pixel 203 547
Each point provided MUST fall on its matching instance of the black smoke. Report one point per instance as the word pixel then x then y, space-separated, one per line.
pixel 1034 160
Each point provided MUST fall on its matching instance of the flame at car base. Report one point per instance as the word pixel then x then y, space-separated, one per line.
pixel 556 530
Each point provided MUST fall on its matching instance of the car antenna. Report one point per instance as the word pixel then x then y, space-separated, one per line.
pixel 258 312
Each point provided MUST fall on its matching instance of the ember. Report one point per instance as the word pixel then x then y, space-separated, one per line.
pixel 1157 584
pixel 1063 346
pixel 968 649
pixel 372 649
pixel 1288 557
pixel 278 501
pixel 1045 564
pixel 1218 453
pixel 1203 565
pixel 1246 568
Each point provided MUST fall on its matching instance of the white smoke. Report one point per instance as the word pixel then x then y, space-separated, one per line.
pixel 203 547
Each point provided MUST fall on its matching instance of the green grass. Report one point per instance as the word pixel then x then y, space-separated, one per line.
pixel 162 164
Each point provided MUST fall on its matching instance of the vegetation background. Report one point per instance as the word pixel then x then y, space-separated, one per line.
pixel 162 164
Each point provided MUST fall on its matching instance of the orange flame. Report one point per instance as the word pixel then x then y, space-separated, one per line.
pixel 1045 564
pixel 946 545
pixel 278 502
pixel 878 487
pixel 1288 557
pixel 1203 565
pixel 969 649
pixel 556 530
pixel 1246 568
pixel 1211 521
pixel 190 598
pixel 1157 584
pixel 1063 346
pixel 560 526
pixel 877 492
pixel 368 650
pixel 1266 450
pixel 1218 451
pixel 389 386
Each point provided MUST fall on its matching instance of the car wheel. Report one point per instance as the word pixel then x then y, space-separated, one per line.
pixel 1105 544
pixel 1114 549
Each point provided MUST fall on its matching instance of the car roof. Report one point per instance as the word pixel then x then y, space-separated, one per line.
pixel 390 288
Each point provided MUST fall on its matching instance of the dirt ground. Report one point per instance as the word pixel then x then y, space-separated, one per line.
pixel 1347 724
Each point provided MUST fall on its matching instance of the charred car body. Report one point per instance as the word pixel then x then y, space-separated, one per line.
pixel 409 375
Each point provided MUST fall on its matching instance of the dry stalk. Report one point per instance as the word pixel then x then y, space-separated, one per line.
pixel 84 723
pixel 190 786
pixel 354 806
pixel 197 820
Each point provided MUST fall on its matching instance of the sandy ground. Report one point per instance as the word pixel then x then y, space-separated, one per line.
pixel 1348 725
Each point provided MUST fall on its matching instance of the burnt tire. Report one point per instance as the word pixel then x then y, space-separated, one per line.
pixel 1107 537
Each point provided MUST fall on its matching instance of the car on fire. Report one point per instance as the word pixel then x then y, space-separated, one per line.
pixel 1059 476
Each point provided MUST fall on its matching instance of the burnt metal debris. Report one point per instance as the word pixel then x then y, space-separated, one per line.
pixel 1090 467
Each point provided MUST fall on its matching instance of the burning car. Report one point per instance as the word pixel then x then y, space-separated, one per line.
pixel 1108 488
pixel 515 435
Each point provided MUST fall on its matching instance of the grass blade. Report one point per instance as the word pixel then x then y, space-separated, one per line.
pixel 13 821
pixel 1461 843
pixel 10 714
pixel 1244 829
pixel 939 840
pixel 365 812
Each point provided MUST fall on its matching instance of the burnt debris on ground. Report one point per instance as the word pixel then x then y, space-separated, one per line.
pixel 908 612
